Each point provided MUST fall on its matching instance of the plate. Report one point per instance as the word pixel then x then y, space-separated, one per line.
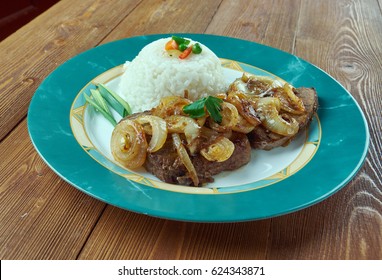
pixel 93 132
pixel 318 164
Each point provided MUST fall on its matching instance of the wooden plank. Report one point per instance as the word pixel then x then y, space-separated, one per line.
pixel 236 241
pixel 345 226
pixel 152 238
pixel 156 17
pixel 41 216
pixel 308 234
pixel 82 26
pixel 268 22
pixel 242 19
pixel 137 233
pixel 345 43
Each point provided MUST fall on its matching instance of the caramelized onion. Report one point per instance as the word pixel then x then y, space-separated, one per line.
pixel 182 124
pixel 259 85
pixel 268 108
pixel 220 150
pixel 243 126
pixel 211 134
pixel 128 144
pixel 290 102
pixel 170 105
pixel 254 86
pixel 221 95
pixel 245 107
pixel 158 131
pixel 185 158
pixel 201 121
pixel 249 113
pixel 230 117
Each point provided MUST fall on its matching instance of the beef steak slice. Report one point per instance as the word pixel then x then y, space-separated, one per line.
pixel 261 138
pixel 167 166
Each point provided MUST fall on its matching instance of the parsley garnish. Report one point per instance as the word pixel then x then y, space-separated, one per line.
pixel 211 104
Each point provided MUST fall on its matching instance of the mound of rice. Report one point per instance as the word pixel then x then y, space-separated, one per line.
pixel 154 74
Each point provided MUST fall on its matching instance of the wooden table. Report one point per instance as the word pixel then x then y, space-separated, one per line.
pixel 43 217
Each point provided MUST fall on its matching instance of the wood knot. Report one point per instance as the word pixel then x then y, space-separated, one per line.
pixel 349 68
pixel 59 42
pixel 247 24
pixel 29 81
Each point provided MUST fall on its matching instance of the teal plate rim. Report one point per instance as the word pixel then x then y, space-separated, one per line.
pixel 342 151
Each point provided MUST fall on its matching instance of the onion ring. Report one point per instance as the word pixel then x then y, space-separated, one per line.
pixel 220 150
pixel 128 144
pixel 158 131
pixel 268 109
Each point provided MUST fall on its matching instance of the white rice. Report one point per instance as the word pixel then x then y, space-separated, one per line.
pixel 154 74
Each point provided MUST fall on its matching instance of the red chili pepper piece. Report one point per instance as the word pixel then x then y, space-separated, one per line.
pixel 186 52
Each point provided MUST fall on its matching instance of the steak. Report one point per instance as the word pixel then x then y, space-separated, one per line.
pixel 261 138
pixel 167 166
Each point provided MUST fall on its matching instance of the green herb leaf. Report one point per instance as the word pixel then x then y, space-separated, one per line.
pixel 195 109
pixel 198 108
pixel 213 105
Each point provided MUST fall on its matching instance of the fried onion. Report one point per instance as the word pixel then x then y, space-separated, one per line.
pixel 268 109
pixel 128 144
pixel 158 131
pixel 220 150
pixel 185 158
pixel 182 124
pixel 230 117
pixel 170 105
pixel 290 102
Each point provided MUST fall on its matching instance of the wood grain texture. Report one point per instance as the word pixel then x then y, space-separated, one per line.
pixel 50 39
pixel 48 218
pixel 267 22
pixel 344 43
pixel 155 17
pixel 42 217
pixel 351 53
pixel 152 238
